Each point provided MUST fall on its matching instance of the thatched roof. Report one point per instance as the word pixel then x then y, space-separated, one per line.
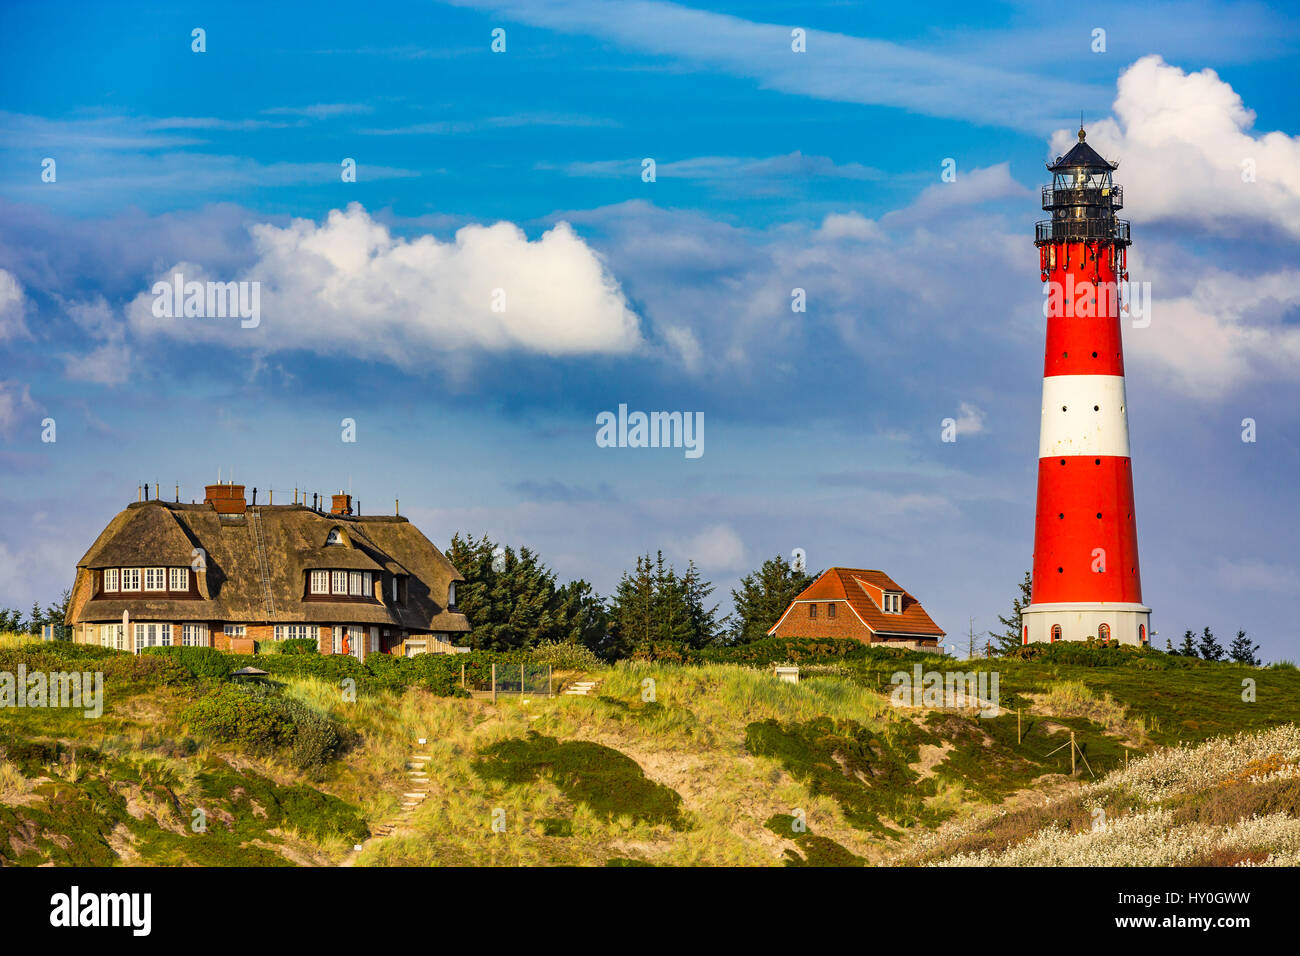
pixel 159 533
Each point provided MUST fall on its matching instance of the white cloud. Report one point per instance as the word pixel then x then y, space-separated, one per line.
pixel 716 548
pixel 350 287
pixel 970 421
pixel 12 305
pixel 1212 329
pixel 103 365
pixel 1181 140
pixel 836 66
pixel 851 225
pixel 15 404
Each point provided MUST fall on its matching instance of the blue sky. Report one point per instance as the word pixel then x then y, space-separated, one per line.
pixel 776 170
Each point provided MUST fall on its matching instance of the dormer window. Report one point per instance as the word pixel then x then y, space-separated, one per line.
pixel 339 582
pixel 451 594
pixel 335 537
pixel 320 582
pixel 111 578
pixel 155 579
pixel 893 602
pixel 178 579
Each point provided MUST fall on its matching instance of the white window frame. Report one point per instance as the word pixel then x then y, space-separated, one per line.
pixel 130 579
pixel 158 575
pixel 354 583
pixel 195 635
pixel 178 579
pixel 112 635
pixel 394 588
pixel 112 578
pixel 893 603
pixel 290 632
pixel 234 630
pixel 368 584
pixel 338 582
pixel 152 634
pixel 320 582
pixel 451 594
pixel 336 643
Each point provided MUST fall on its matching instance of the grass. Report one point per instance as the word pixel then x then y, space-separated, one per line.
pixel 672 764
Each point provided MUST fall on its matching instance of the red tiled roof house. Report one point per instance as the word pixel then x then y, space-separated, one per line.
pixel 866 605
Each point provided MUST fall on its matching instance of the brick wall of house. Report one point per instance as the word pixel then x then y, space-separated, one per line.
pixel 844 624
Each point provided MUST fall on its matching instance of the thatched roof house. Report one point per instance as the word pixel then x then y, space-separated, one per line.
pixel 224 574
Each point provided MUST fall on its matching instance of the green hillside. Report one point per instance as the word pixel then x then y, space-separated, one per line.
pixel 679 758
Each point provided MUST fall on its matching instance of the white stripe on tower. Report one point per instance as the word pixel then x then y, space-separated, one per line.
pixel 1084 415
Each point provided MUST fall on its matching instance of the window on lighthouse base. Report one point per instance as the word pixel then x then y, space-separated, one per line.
pixel 1056 633
pixel 1142 633
pixel 1103 633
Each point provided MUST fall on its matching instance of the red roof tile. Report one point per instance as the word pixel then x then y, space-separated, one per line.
pixel 863 590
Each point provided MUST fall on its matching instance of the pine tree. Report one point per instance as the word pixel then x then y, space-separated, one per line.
pixel 1188 647
pixel 1210 649
pixel 705 628
pixel 763 597
pixel 1169 647
pixel 512 601
pixel 1012 633
pixel 1243 650
pixel 37 618
pixel 631 611
pixel 582 615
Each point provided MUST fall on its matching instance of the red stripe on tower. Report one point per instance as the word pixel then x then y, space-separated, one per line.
pixel 1086 580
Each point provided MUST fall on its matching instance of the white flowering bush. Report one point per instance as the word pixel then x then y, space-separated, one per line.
pixel 1159 786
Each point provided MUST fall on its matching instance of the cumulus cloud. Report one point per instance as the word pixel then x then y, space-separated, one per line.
pixel 1212 329
pixel 717 548
pixel 1187 153
pixel 12 304
pixel 348 286
pixel 970 420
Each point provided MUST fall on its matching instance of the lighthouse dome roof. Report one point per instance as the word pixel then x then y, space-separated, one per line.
pixel 1081 156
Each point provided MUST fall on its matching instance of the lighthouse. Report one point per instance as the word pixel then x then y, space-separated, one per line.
pixel 1086 580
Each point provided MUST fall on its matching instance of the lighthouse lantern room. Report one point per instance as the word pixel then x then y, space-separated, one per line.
pixel 1086 580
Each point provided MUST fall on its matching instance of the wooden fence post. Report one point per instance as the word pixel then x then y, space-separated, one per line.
pixel 1018 725
pixel 1072 745
pixel 462 676
pixel 521 681
pixel 494 683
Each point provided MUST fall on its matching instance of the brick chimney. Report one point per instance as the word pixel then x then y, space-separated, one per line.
pixel 226 499
pixel 342 504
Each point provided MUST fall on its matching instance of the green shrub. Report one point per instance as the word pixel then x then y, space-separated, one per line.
pixel 231 713
pixel 261 718
pixel 199 661
pixel 779 650
pixel 297 645
pixel 565 655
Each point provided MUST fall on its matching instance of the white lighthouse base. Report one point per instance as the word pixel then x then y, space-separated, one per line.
pixel 1128 623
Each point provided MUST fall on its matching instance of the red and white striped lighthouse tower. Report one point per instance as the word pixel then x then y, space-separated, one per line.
pixel 1086 581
